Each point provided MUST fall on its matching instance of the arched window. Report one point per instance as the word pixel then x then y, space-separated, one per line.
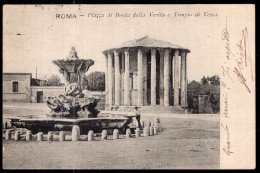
pixel 15 86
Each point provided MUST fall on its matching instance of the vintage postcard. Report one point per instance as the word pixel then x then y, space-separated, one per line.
pixel 128 87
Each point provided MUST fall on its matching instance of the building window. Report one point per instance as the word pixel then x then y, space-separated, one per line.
pixel 15 86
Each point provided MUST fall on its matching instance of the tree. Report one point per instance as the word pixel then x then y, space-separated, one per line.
pixel 54 80
pixel 214 80
pixel 95 81
pixel 204 80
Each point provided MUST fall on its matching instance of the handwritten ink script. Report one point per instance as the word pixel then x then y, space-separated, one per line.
pixel 241 58
pixel 227 148
pixel 237 67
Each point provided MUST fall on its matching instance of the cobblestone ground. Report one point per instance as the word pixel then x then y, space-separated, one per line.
pixel 187 141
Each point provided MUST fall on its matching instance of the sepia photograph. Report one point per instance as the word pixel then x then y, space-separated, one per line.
pixel 128 86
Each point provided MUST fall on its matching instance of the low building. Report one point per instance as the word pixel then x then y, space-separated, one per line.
pixel 16 87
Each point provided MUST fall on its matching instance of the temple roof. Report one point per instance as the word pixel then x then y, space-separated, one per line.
pixel 147 42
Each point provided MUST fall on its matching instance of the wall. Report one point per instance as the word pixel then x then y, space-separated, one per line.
pixel 47 91
pixel 24 82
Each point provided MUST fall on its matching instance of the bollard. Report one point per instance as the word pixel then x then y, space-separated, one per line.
pixel 146 131
pixel 28 135
pixel 155 130
pixel 50 136
pixel 39 136
pixel 128 133
pixel 17 136
pixel 61 136
pixel 115 134
pixel 142 124
pixel 104 135
pixel 8 135
pixel 186 111
pixel 148 123
pixel 90 135
pixel 137 133
pixel 151 131
pixel 160 128
pixel 156 121
pixel 6 125
pixel 75 135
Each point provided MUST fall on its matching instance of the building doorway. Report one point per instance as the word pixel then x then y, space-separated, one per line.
pixel 39 96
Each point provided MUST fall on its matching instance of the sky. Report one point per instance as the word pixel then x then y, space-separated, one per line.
pixel 34 37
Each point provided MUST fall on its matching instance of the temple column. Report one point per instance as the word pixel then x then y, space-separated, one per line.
pixel 145 77
pixel 183 79
pixel 117 79
pixel 140 78
pixel 166 77
pixel 176 78
pixel 153 77
pixel 161 78
pixel 110 79
pixel 126 80
pixel 106 81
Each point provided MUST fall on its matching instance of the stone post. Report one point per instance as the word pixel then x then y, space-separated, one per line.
pixel 128 133
pixel 183 79
pixel 75 135
pixel 137 132
pixel 39 136
pixel 8 135
pixel 161 78
pixel 104 135
pixel 151 131
pixel 176 78
pixel 61 136
pixel 153 77
pixel 17 136
pixel 115 134
pixel 110 79
pixel 140 78
pixel 50 136
pixel 126 80
pixel 90 135
pixel 146 131
pixel 166 77
pixel 28 135
pixel 117 79
pixel 155 130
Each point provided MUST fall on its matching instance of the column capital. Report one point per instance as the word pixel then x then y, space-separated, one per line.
pixel 109 53
pixel 140 50
pixel 166 52
pixel 153 50
pixel 176 53
pixel 116 52
pixel 126 52
pixel 183 53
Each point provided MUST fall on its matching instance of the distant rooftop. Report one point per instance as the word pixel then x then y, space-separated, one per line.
pixel 17 73
pixel 147 42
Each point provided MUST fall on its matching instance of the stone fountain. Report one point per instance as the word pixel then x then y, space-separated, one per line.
pixel 73 103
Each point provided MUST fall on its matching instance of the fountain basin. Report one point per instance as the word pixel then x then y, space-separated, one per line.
pixel 108 122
